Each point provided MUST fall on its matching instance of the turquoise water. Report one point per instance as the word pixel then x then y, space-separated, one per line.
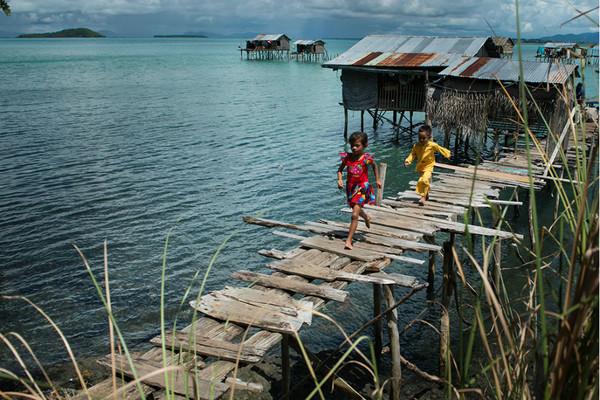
pixel 125 139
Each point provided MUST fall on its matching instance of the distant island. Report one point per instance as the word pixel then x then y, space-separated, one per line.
pixel 65 33
pixel 588 37
pixel 180 36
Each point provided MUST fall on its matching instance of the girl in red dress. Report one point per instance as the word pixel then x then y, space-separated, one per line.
pixel 358 190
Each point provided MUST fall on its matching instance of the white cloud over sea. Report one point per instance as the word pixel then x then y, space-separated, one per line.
pixel 311 18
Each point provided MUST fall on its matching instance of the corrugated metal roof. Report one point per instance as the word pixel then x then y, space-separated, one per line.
pixel 396 44
pixel 558 45
pixel 308 42
pixel 508 70
pixel 378 59
pixel 275 36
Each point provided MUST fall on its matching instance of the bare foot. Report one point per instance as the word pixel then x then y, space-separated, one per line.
pixel 348 245
pixel 422 201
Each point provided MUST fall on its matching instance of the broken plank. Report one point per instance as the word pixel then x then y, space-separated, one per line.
pixel 248 351
pixel 180 382
pixel 292 285
pixel 378 230
pixel 399 279
pixel 269 318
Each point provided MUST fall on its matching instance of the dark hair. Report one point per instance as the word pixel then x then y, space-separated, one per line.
pixel 426 129
pixel 364 139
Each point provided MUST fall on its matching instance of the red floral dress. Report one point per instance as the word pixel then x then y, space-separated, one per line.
pixel 358 190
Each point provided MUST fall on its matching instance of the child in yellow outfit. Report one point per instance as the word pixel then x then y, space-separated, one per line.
pixel 424 152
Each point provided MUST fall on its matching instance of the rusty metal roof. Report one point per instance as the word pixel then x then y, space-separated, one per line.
pixel 402 51
pixel 275 36
pixel 507 70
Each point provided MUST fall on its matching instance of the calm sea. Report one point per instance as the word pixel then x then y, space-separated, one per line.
pixel 126 139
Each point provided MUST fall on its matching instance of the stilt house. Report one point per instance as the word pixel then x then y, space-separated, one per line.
pixel 390 73
pixel 267 47
pixel 505 46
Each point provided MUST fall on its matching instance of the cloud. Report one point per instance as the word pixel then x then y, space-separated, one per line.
pixel 310 17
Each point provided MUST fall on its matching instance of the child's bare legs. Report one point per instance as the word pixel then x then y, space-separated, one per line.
pixel 423 186
pixel 366 218
pixel 353 224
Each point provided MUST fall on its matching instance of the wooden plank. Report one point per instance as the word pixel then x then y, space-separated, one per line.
pixel 291 285
pixel 399 279
pixel 558 145
pixel 388 241
pixel 443 208
pixel 337 247
pixel 423 228
pixel 104 390
pixel 378 230
pixel 261 310
pixel 326 274
pixel 247 351
pixel 455 227
pixel 180 382
pixel 288 235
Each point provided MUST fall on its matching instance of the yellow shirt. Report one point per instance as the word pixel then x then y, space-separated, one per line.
pixel 425 155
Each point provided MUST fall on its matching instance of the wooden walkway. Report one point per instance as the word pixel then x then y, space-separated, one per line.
pixel 239 325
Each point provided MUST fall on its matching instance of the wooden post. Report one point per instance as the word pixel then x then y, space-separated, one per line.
pixel 411 121
pixel 362 120
pixel 382 173
pixel 447 138
pixel 431 271
pixel 375 119
pixel 445 303
pixel 392 323
pixel 345 124
pixel 285 364
pixel 377 327
pixel 395 118
pixel 496 144
pixel 456 145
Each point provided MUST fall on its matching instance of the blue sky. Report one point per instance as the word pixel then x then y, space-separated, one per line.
pixel 312 18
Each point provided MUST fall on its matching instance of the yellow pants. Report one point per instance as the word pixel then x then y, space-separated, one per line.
pixel 423 183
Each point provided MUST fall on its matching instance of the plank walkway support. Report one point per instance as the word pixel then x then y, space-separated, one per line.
pixel 445 303
pixel 392 323
pixel 285 365
pixel 345 124
pixel 362 120
pixel 377 287
pixel 431 268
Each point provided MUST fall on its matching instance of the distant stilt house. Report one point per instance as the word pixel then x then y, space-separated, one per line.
pixel 384 73
pixel 561 52
pixel 310 50
pixel 505 46
pixel 478 96
pixel 267 47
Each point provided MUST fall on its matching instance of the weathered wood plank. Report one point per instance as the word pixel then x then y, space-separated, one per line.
pixel 399 279
pixel 326 274
pixel 180 382
pixel 291 285
pixel 254 310
pixel 456 227
pixel 423 228
pixel 337 247
pixel 378 230
pixel 247 351
pixel 385 240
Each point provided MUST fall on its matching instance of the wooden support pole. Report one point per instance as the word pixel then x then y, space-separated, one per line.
pixel 382 174
pixel 375 119
pixel 345 124
pixel 392 323
pixel 445 303
pixel 362 120
pixel 285 365
pixel 456 145
pixel 395 118
pixel 447 138
pixel 377 326
pixel 410 121
pixel 431 271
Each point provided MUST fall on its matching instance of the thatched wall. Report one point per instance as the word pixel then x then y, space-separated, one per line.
pixel 472 105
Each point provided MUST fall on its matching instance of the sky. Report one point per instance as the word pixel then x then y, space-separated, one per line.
pixel 306 19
